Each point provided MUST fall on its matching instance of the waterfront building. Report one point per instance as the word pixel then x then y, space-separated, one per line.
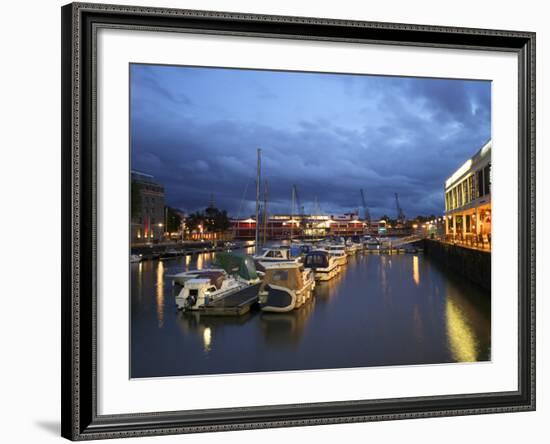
pixel 147 209
pixel 468 201
pixel 285 226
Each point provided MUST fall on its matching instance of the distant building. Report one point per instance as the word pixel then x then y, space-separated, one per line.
pixel 147 208
pixel 468 200
pixel 284 226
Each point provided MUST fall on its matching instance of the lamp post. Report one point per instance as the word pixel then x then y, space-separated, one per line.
pixel 161 234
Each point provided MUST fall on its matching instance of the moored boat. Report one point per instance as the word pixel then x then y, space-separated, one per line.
pixel 198 288
pixel 338 251
pixel 274 254
pixel 355 244
pixel 285 287
pixel 373 244
pixel 134 258
pixel 171 253
pixel 324 266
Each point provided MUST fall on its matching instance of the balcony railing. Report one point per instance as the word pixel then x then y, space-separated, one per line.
pixel 469 240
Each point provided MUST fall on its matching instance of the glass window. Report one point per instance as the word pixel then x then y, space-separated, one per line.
pixel 487 179
pixel 280 275
pixel 454 197
pixel 479 183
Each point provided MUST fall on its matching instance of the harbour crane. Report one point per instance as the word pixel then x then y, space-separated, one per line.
pixel 400 215
pixel 365 208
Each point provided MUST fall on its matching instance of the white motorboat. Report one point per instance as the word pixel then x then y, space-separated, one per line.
pixel 373 244
pixel 134 258
pixel 274 255
pixel 324 266
pixel 285 287
pixel 338 251
pixel 198 288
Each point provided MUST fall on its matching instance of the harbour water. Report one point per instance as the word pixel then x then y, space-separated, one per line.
pixel 382 310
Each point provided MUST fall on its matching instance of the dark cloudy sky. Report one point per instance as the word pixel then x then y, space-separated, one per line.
pixel 197 130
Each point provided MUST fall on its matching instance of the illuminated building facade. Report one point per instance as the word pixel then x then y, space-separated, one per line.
pixel 468 201
pixel 282 226
pixel 147 208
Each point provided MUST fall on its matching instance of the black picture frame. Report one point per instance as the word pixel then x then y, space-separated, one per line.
pixel 80 22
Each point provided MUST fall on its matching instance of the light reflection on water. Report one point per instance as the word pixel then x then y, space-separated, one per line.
pixel 207 338
pixel 160 293
pixel 382 310
pixel 416 273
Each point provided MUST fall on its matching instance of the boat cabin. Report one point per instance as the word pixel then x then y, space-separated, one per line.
pixel 317 259
pixel 274 254
pixel 286 275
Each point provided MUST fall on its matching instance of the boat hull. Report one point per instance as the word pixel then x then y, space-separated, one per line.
pixel 341 260
pixel 276 299
pixel 326 274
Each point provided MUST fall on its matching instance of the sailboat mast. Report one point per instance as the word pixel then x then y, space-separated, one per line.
pixel 292 215
pixel 258 177
pixel 265 214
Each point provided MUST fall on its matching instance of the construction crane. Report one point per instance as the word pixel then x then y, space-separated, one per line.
pixel 400 214
pixel 365 208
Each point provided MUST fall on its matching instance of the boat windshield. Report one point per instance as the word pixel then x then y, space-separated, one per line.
pixel 318 259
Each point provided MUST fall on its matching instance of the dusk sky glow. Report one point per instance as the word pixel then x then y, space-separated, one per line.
pixel 197 130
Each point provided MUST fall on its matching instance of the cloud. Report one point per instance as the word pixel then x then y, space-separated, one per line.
pixel 329 138
pixel 146 81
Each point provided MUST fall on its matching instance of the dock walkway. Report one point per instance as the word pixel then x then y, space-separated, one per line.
pixel 235 304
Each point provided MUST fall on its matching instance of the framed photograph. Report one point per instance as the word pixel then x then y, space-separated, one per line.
pixel 280 221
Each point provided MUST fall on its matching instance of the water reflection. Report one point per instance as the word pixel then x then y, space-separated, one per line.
pixel 207 338
pixel 461 337
pixel 286 328
pixel 160 294
pixel 378 311
pixel 465 322
pixel 416 272
pixel 382 273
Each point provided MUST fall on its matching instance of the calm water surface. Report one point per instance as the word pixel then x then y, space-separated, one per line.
pixel 382 310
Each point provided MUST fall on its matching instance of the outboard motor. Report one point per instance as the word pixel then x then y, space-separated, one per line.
pixel 191 299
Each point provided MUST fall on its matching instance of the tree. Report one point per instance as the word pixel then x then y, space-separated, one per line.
pixel 216 220
pixel 193 221
pixel 212 220
pixel 173 220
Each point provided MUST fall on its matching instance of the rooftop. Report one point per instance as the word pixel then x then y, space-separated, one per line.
pixel 480 155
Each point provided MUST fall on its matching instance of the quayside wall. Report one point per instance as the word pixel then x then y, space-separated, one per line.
pixel 472 264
